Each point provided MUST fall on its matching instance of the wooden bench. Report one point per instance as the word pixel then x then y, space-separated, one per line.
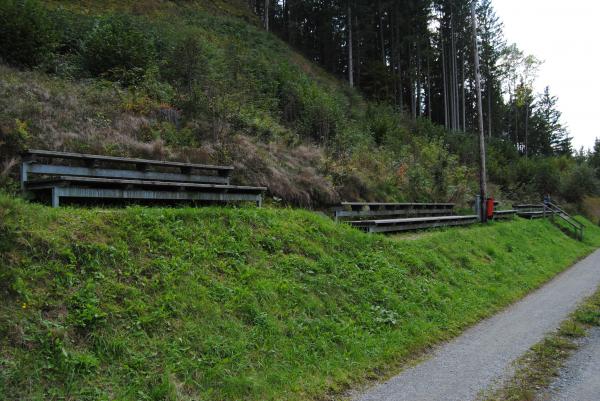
pixel 84 176
pixel 359 210
pixel 417 223
pixel 532 211
pixel 504 214
pixel 398 217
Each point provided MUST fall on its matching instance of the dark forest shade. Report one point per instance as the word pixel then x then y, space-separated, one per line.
pixel 417 55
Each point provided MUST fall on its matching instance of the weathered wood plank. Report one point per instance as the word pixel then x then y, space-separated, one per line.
pixel 412 220
pixel 53 169
pixel 140 183
pixel 58 193
pixel 34 153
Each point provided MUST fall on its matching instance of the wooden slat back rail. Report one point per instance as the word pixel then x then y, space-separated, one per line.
pixel 141 164
pixel 76 171
pixel 99 166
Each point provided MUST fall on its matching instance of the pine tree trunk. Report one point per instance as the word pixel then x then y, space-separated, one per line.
pixel 454 78
pixel 381 35
pixel 358 64
pixel 266 15
pixel 350 48
pixel 527 129
pixel 418 77
pixel 413 103
pixel 490 89
pixel 464 103
pixel 429 111
pixel 444 80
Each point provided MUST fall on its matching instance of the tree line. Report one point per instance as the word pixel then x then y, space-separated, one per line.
pixel 417 55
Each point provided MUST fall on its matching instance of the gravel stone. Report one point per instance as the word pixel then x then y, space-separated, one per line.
pixel 579 380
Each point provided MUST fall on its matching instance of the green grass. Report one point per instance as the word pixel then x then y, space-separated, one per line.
pixel 232 304
pixel 537 369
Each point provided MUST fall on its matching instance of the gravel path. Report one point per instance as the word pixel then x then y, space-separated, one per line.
pixel 482 356
pixel 579 380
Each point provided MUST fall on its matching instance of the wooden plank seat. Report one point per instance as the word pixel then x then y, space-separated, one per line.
pixel 366 210
pixel 107 177
pixel 504 214
pixel 532 211
pixel 410 224
pixel 533 214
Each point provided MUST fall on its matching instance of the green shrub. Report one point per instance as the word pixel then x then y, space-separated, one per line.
pixel 579 182
pixel 119 50
pixel 26 35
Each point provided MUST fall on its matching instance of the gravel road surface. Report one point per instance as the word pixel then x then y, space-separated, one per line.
pixel 579 380
pixel 482 356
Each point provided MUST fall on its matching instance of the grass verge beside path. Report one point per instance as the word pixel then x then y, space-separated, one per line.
pixel 242 304
pixel 537 369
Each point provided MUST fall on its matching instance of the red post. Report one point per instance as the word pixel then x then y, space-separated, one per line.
pixel 490 208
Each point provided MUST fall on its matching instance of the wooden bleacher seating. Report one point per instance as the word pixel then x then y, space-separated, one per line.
pixel 398 217
pixel 532 211
pixel 83 176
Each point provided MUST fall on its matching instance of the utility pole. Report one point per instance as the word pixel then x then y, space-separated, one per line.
pixel 482 167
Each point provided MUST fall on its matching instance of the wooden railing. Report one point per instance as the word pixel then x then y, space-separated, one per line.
pixel 556 210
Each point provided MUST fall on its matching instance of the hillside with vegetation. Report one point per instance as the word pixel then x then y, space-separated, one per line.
pixel 121 78
pixel 276 303
pixel 258 304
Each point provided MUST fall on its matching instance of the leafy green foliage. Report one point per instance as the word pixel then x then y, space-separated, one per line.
pixel 579 182
pixel 27 37
pixel 117 48
pixel 242 303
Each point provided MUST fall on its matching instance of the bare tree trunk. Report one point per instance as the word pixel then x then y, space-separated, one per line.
pixel 464 103
pixel 266 16
pixel 419 89
pixel 398 57
pixel 527 129
pixel 444 81
pixel 358 52
pixel 454 78
pixel 516 125
pixel 350 48
pixel 429 112
pixel 490 89
pixel 413 103
pixel 381 37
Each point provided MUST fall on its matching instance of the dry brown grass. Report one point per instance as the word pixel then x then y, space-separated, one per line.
pixel 591 208
pixel 68 116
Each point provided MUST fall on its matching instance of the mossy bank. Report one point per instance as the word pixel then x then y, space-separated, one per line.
pixel 232 304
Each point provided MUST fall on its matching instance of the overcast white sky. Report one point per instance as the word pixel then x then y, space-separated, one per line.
pixel 565 34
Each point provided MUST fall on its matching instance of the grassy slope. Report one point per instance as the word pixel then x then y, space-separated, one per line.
pixel 223 304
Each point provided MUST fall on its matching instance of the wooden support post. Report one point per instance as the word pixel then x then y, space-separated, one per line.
pixel 55 197
pixel 23 174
